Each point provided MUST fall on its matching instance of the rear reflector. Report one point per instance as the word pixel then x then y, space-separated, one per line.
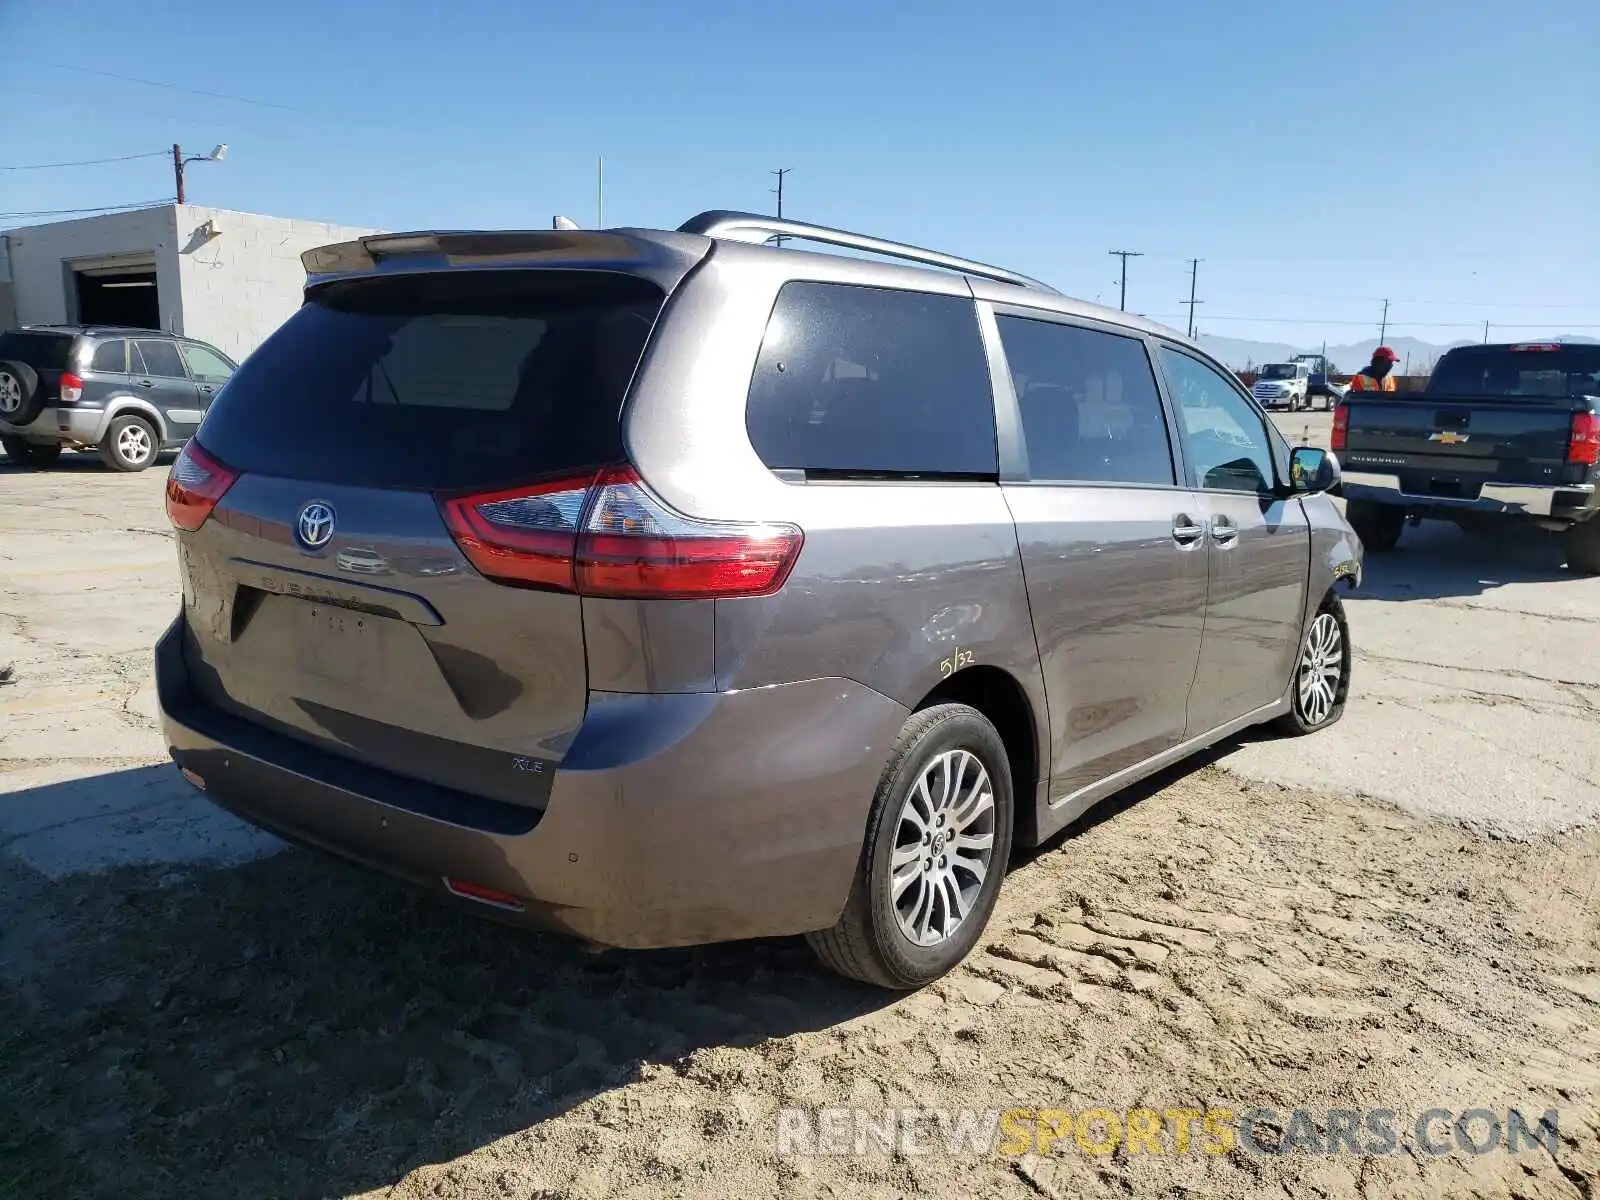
pixel 193 777
pixel 1341 427
pixel 483 895
pixel 71 388
pixel 608 535
pixel 197 481
pixel 1583 444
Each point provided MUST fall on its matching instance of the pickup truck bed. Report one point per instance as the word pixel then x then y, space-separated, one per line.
pixel 1501 432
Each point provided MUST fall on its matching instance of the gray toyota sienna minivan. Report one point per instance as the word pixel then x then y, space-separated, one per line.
pixel 671 587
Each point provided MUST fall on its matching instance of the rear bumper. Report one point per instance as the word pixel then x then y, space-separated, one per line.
pixel 41 429
pixel 53 424
pixel 1572 502
pixel 674 819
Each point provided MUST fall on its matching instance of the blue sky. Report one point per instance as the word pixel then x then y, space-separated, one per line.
pixel 1317 157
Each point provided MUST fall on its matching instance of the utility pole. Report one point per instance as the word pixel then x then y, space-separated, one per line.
pixel 1194 270
pixel 1486 333
pixel 1383 329
pixel 1125 255
pixel 179 162
pixel 780 172
pixel 600 193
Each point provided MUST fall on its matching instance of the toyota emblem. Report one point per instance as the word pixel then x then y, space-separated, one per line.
pixel 315 526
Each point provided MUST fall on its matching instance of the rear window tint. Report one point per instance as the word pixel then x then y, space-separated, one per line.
pixel 1570 371
pixel 440 382
pixel 41 351
pixel 110 356
pixel 858 380
pixel 161 358
pixel 1089 405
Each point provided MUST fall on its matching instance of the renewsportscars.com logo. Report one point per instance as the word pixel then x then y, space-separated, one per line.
pixel 1365 1133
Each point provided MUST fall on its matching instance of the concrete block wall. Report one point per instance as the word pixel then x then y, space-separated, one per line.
pixel 43 257
pixel 241 284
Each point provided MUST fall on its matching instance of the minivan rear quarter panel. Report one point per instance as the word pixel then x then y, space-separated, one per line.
pixel 898 583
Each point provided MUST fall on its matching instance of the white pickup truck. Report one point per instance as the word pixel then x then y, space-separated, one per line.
pixel 1283 385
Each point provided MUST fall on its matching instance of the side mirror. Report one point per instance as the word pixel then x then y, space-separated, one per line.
pixel 1312 469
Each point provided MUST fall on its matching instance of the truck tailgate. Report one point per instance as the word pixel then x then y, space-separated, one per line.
pixel 1513 441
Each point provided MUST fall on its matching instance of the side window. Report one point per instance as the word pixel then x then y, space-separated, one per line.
pixel 110 356
pixel 869 381
pixel 1225 437
pixel 1089 405
pixel 162 358
pixel 206 365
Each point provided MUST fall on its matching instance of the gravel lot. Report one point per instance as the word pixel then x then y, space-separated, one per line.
pixel 1402 913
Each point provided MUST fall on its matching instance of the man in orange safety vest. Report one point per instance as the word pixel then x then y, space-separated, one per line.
pixel 1375 376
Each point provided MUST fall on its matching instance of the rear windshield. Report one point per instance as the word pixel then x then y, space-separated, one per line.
pixel 41 351
pixel 440 382
pixel 1569 371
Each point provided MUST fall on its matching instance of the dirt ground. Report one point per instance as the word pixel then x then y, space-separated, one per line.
pixel 297 1028
pixel 1401 913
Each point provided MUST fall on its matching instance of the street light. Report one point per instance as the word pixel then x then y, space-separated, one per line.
pixel 218 153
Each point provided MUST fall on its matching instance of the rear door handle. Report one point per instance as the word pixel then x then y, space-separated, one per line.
pixel 147 383
pixel 1185 532
pixel 1223 531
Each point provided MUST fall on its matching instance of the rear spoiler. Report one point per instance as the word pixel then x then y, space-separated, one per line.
pixel 664 258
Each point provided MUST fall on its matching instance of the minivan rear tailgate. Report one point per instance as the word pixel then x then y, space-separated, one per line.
pixel 1514 441
pixel 383 645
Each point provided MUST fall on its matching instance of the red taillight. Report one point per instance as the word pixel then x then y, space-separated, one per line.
pixel 1341 427
pixel 194 486
pixel 1536 347
pixel 634 545
pixel 606 535
pixel 1583 443
pixel 522 535
pixel 483 895
pixel 71 388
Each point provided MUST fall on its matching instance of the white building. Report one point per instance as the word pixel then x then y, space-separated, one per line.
pixel 228 278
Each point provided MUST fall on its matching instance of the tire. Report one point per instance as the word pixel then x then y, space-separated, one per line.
pixel 30 454
pixel 1316 696
pixel 1377 525
pixel 125 438
pixel 20 400
pixel 1582 545
pixel 868 942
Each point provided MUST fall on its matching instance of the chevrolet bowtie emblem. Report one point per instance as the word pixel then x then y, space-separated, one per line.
pixel 1448 437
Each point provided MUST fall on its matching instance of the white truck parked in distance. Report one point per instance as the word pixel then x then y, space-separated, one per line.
pixel 1283 385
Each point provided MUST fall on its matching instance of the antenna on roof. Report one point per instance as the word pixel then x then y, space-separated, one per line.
pixel 564 223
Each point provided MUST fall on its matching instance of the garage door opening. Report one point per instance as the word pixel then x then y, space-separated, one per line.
pixel 127 297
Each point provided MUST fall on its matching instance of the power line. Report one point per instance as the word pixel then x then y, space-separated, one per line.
pixel 1125 255
pixel 63 212
pixel 1273 320
pixel 174 87
pixel 85 162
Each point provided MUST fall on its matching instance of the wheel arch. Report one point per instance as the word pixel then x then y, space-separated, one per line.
pixel 121 406
pixel 1000 696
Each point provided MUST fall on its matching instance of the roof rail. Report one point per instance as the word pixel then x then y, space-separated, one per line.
pixel 723 223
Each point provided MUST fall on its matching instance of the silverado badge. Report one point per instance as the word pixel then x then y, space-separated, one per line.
pixel 1449 437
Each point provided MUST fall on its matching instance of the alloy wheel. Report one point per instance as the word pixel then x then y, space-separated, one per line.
pixel 133 443
pixel 943 847
pixel 1321 669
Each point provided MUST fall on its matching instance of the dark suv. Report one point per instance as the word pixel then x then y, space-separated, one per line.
pixel 130 393
pixel 662 587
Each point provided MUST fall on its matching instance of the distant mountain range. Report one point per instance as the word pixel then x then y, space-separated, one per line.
pixel 1242 353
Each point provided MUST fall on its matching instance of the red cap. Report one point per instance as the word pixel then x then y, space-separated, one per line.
pixel 1385 352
